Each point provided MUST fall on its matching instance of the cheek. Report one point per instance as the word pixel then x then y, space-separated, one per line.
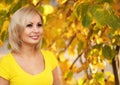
pixel 41 30
pixel 26 31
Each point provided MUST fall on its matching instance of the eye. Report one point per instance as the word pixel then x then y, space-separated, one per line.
pixel 29 25
pixel 39 25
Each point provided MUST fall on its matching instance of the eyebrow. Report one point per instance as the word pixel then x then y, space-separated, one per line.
pixel 32 22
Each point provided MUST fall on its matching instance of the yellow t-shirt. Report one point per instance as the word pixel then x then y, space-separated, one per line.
pixel 10 70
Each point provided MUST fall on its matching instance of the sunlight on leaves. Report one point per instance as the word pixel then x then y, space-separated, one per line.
pixel 68 74
pixel 109 78
pixel 68 27
pixel 35 1
pixel 61 57
pixel 99 76
pixel 61 1
pixel 5 26
pixel 48 9
pixel 81 81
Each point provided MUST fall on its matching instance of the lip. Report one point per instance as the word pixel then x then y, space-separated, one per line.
pixel 34 37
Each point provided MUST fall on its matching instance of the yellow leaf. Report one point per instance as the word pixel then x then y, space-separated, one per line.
pixel 117 32
pixel 100 65
pixel 44 19
pixel 110 76
pixel 1 43
pixel 81 81
pixel 5 26
pixel 71 50
pixel 48 9
pixel 61 57
pixel 62 1
pixel 60 43
pixel 94 68
pixel 71 81
pixel 91 82
pixel 68 74
pixel 99 40
pixel 60 16
pixel 65 65
pixel 113 40
pixel 73 25
pixel 3 6
pixel 35 1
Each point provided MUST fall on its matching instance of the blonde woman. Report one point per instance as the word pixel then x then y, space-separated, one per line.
pixel 27 64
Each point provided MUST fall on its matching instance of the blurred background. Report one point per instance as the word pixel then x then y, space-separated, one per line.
pixel 84 35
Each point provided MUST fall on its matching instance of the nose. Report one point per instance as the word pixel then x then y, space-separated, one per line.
pixel 35 29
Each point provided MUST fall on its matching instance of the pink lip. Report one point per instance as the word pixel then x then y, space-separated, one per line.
pixel 34 37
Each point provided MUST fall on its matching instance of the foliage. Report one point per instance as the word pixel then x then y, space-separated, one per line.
pixel 91 27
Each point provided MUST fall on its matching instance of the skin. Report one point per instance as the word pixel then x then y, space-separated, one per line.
pixel 33 60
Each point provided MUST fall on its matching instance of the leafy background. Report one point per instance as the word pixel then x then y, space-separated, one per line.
pixel 88 30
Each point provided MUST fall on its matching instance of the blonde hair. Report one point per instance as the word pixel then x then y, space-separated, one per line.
pixel 18 23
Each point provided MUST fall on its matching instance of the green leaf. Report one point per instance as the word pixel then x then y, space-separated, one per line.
pixel 24 2
pixel 68 74
pixel 113 22
pixel 3 12
pixel 3 36
pixel 15 6
pixel 78 10
pixel 103 1
pixel 108 1
pixel 8 46
pixel 117 40
pixel 40 8
pixel 93 8
pixel 1 23
pixel 101 16
pixel 80 46
pixel 9 1
pixel 98 46
pixel 99 1
pixel 86 20
pixel 108 53
pixel 84 8
pixel 106 17
pixel 99 76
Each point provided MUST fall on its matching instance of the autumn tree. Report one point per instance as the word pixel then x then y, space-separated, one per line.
pixel 89 27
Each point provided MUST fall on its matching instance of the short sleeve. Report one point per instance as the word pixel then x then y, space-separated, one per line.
pixel 52 59
pixel 4 68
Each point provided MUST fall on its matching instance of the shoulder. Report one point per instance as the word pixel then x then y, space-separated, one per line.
pixel 5 58
pixel 50 57
pixel 47 53
pixel 5 66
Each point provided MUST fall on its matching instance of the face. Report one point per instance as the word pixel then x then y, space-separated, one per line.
pixel 32 32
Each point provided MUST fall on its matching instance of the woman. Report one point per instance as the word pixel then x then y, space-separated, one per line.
pixel 26 64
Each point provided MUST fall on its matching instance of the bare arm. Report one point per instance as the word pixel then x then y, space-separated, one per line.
pixel 56 77
pixel 4 81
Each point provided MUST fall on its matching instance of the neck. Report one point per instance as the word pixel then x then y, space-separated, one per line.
pixel 28 51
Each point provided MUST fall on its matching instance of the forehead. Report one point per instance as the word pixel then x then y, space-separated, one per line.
pixel 34 18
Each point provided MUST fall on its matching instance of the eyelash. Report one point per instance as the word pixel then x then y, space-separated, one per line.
pixel 30 25
pixel 40 25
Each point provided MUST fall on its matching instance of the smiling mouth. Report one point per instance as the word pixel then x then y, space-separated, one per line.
pixel 34 37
